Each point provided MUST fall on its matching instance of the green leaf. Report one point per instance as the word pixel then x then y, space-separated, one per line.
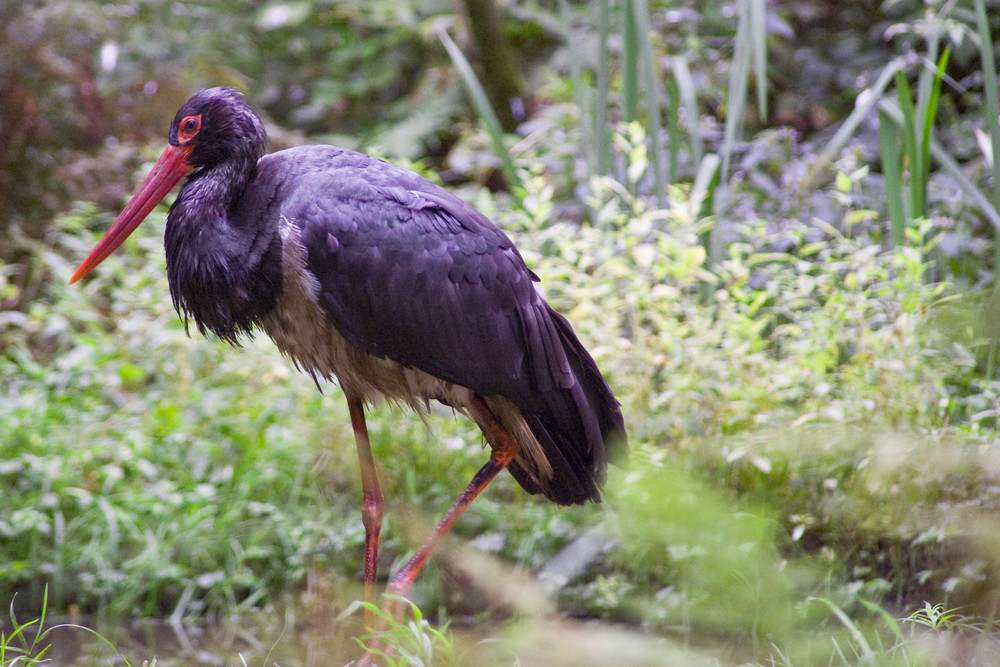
pixel 888 134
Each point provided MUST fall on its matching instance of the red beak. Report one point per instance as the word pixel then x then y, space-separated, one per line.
pixel 169 169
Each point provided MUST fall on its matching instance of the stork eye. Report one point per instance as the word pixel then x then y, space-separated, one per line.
pixel 189 128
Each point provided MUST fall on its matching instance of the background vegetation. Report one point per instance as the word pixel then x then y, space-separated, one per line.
pixel 772 224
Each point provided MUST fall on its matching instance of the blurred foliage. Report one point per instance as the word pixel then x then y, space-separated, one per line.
pixel 87 84
pixel 83 77
pixel 813 415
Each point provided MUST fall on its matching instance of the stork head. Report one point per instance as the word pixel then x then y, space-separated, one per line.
pixel 214 126
pixel 217 125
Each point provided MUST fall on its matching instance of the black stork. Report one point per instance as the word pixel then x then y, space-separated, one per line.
pixel 370 274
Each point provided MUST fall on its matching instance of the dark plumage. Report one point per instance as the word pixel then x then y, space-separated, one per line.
pixel 369 273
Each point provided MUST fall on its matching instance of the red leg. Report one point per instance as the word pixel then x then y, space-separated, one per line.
pixel 372 504
pixel 504 451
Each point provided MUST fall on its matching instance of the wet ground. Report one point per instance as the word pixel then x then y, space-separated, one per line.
pixel 264 641
pixel 252 640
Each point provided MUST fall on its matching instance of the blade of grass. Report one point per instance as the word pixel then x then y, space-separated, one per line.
pixel 601 85
pixel 483 108
pixel 904 96
pixel 703 189
pixel 886 617
pixel 738 76
pixel 701 203
pixel 580 88
pixel 865 650
pixel 686 87
pixel 992 98
pixel 654 129
pixel 920 169
pixel 630 60
pixel 991 116
pixel 673 128
pixel 735 112
pixel 735 107
pixel 930 107
pixel 888 135
pixel 928 94
pixel 758 34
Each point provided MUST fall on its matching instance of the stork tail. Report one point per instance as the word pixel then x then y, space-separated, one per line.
pixel 580 429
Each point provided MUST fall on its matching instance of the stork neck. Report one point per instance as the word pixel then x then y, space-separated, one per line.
pixel 223 257
pixel 212 190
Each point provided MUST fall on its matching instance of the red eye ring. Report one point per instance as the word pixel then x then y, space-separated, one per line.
pixel 188 128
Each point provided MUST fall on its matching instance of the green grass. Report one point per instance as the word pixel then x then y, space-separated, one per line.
pixel 405 640
pixel 29 642
pixel 817 429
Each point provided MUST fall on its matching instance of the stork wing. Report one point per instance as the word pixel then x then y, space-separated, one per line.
pixel 411 273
